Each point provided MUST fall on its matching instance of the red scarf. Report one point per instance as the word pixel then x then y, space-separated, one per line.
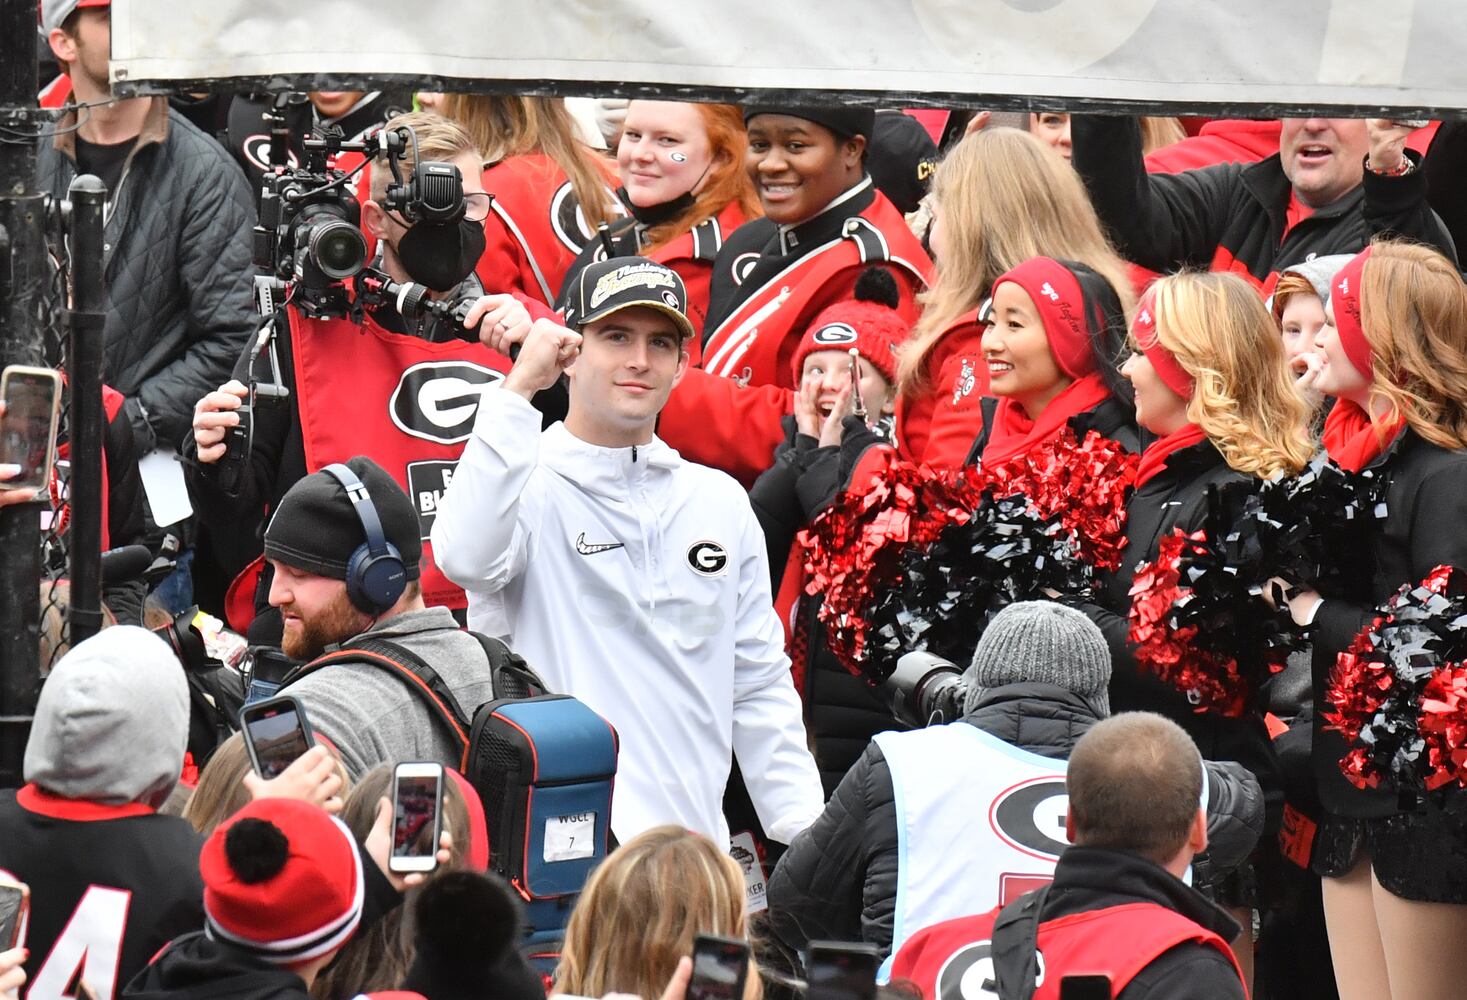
pixel 1153 459
pixel 1013 433
pixel 1351 440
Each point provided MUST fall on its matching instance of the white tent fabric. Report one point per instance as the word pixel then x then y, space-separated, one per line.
pixel 1305 53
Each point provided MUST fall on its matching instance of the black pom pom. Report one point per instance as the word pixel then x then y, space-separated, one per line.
pixel 877 285
pixel 474 911
pixel 256 850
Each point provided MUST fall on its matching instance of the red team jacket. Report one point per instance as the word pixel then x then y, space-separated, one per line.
pixel 535 228
pixel 939 426
pixel 1117 941
pixel 727 413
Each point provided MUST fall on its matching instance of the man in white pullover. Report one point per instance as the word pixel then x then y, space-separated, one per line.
pixel 626 576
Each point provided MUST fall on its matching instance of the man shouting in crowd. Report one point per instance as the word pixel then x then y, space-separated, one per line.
pixel 627 577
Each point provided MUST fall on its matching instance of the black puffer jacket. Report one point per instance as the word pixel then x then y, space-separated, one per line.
pixel 177 252
pixel 838 880
pixel 1235 214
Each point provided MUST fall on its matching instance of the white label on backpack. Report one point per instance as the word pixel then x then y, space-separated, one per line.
pixel 741 846
pixel 570 838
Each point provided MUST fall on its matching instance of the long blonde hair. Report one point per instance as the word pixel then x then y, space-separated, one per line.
pixel 1413 309
pixel 1219 331
pixel 1004 197
pixel 505 125
pixel 640 911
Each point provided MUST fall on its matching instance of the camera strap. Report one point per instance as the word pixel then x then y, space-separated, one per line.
pixel 1015 944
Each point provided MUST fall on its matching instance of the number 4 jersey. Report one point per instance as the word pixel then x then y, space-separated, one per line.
pixel 110 886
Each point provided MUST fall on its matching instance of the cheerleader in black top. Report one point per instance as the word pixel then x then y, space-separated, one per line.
pixel 1394 355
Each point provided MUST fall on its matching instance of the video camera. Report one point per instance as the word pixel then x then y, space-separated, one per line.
pixel 308 242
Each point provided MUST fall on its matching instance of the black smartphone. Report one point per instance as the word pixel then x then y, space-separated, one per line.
pixel 1085 988
pixel 28 430
pixel 720 968
pixel 837 970
pixel 15 906
pixel 417 816
pixel 275 733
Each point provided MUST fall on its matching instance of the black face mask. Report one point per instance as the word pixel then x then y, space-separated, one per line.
pixel 656 215
pixel 441 256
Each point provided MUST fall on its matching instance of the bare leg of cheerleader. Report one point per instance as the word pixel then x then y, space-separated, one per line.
pixel 1354 938
pixel 1425 946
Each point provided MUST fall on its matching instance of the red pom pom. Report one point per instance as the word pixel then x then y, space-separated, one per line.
pixel 1084 483
pixel 1399 693
pixel 1211 682
pixel 854 547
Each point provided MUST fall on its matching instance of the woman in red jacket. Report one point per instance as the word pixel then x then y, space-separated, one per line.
pixel 550 191
pixel 683 181
pixel 1001 197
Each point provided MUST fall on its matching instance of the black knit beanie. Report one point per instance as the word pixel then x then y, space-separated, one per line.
pixel 315 529
pixel 844 122
pixel 465 927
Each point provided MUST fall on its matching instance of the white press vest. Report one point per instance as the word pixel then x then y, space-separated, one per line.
pixel 979 822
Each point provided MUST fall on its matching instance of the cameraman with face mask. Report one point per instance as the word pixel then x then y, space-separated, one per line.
pixel 403 390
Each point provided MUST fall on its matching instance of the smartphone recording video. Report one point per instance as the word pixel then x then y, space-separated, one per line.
pixel 276 733
pixel 839 971
pixel 417 823
pixel 720 966
pixel 28 430
pixel 15 905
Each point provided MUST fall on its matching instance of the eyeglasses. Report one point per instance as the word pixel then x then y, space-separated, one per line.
pixel 476 206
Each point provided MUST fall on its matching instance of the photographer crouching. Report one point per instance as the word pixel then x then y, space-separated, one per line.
pixel 954 819
pixel 370 359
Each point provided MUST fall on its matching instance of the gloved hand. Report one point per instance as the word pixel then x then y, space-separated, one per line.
pixel 611 115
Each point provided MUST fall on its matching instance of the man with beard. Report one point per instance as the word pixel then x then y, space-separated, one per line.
pixel 312 544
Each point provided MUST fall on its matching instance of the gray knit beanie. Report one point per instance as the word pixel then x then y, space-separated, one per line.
pixel 1046 643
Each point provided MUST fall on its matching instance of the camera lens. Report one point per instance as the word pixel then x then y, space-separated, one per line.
pixel 338 248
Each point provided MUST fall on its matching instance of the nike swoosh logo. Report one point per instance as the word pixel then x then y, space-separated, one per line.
pixel 590 549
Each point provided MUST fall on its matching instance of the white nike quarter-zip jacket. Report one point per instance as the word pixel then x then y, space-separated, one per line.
pixel 638 583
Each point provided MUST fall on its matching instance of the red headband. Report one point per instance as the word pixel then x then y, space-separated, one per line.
pixel 1056 294
pixel 1344 300
pixel 1165 363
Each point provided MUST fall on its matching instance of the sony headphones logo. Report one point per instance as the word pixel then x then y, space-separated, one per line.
pixel 437 400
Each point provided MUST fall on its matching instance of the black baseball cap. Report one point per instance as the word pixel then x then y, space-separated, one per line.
pixel 609 286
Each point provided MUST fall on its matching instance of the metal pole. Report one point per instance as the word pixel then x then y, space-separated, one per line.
pixel 88 197
pixel 23 276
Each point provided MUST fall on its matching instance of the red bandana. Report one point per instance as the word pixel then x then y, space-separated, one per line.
pixel 1351 440
pixel 1013 433
pixel 1153 459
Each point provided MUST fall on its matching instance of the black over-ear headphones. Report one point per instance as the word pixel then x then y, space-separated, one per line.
pixel 375 574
